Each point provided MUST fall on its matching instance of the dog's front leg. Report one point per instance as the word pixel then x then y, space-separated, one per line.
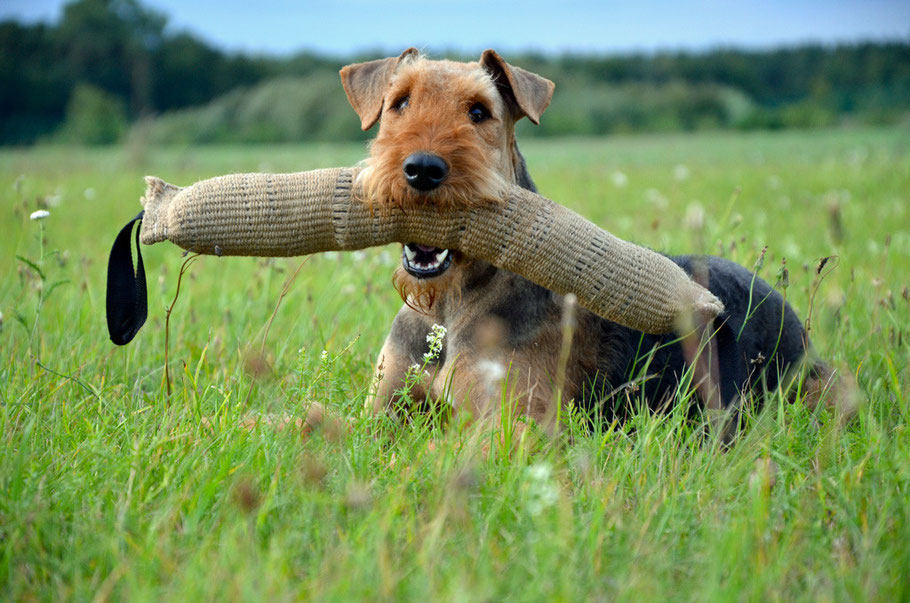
pixel 401 367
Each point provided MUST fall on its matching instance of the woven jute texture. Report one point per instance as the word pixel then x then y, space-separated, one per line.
pixel 320 210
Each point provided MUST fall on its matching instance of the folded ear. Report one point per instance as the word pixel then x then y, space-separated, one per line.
pixel 366 83
pixel 529 92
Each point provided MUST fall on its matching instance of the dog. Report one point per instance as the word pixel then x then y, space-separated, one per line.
pixel 447 136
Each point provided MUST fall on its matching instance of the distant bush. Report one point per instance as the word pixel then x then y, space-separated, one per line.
pixel 801 115
pixel 278 110
pixel 315 108
pixel 93 117
pixel 580 108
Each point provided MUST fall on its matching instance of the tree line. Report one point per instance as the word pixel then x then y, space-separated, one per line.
pixel 110 64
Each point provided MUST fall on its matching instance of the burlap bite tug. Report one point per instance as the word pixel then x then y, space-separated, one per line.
pixel 319 210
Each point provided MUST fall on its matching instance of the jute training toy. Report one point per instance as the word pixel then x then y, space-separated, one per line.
pixel 321 210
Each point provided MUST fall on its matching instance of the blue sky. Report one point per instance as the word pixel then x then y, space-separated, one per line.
pixel 346 26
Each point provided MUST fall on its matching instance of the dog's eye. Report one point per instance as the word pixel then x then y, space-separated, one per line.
pixel 478 113
pixel 401 103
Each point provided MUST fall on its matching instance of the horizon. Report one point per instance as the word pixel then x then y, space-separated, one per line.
pixel 586 28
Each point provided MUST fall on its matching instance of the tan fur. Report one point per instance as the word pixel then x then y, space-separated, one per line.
pixel 440 94
pixel 479 366
pixel 503 351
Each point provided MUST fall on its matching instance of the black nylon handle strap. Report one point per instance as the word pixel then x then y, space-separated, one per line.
pixel 127 303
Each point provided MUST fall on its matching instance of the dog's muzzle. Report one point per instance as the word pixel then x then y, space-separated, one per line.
pixel 423 261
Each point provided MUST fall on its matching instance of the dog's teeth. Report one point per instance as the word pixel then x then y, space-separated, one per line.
pixel 423 258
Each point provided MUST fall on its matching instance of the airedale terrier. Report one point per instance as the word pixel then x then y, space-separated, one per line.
pixel 447 136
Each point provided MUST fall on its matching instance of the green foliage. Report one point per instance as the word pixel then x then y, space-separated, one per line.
pixel 93 117
pixel 111 490
pixel 579 108
pixel 803 115
pixel 278 110
pixel 125 49
pixel 110 44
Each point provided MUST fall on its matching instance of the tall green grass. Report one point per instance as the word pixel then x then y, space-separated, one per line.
pixel 111 489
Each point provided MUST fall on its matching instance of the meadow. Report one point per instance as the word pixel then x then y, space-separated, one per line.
pixel 111 488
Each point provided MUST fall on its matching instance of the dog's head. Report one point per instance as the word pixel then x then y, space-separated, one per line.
pixel 446 134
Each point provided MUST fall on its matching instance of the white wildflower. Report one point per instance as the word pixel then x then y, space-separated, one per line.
pixel 680 172
pixel 542 493
pixel 413 374
pixel 359 256
pixel 837 197
pixel 657 198
pixel 89 194
pixel 695 216
pixel 858 155
pixel 790 248
pixel 620 180
pixel 324 356
pixel 492 373
pixel 39 215
pixel 434 340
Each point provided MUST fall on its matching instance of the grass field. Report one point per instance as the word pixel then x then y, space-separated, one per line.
pixel 110 488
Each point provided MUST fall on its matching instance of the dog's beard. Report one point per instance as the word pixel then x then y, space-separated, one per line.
pixel 423 294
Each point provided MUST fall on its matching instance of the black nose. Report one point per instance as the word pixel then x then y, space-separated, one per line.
pixel 424 171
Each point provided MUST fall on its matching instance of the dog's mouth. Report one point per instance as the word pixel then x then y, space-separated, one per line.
pixel 423 261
